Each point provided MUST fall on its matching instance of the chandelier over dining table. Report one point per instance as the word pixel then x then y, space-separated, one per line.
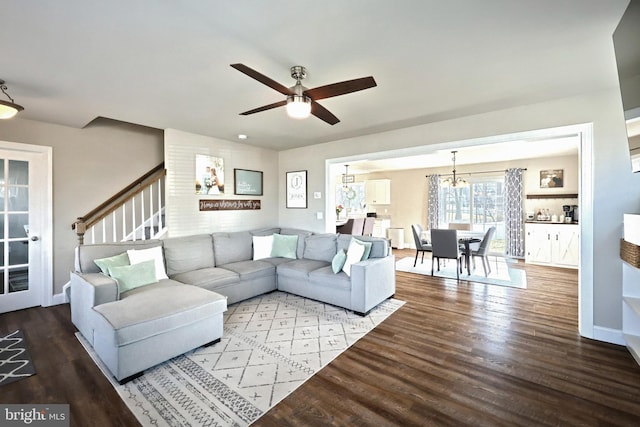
pixel 453 180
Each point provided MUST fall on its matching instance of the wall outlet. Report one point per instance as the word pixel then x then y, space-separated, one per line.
pixel 319 215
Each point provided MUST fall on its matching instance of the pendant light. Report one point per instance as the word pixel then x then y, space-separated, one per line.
pixel 453 181
pixel 8 109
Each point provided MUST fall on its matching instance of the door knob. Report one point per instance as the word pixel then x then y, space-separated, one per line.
pixel 34 238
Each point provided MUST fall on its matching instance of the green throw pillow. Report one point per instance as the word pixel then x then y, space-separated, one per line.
pixel 106 264
pixel 338 261
pixel 367 248
pixel 134 276
pixel 284 246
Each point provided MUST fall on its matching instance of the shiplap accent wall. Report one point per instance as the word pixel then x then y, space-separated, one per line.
pixel 182 214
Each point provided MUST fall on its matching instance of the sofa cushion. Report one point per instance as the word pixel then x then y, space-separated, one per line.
pixel 155 254
pixel 262 246
pixel 379 246
pixel 105 264
pixel 325 277
pixel 320 247
pixel 134 276
pixel 338 261
pixel 146 314
pixel 300 268
pixel 265 231
pixel 367 247
pixel 302 234
pixel 354 255
pixel 208 278
pixel 248 270
pixel 232 247
pixel 85 254
pixel 188 253
pixel 284 246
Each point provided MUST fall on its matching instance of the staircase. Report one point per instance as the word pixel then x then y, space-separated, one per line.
pixel 134 213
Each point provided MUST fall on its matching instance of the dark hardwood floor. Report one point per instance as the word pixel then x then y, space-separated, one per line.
pixel 455 354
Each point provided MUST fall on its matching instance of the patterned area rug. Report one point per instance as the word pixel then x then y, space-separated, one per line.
pixel 501 273
pixel 15 362
pixel 271 345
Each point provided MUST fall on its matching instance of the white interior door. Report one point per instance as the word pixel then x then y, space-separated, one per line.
pixel 24 279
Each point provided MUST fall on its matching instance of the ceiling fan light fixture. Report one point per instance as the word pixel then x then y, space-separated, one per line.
pixel 298 106
pixel 8 109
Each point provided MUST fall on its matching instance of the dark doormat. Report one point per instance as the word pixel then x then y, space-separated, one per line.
pixel 15 362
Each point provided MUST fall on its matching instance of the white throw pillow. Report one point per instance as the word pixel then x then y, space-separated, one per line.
pixel 354 255
pixel 262 247
pixel 137 256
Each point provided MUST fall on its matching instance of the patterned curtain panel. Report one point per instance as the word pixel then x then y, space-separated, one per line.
pixel 514 213
pixel 434 203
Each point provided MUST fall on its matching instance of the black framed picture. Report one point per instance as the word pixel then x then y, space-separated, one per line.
pixel 297 189
pixel 247 182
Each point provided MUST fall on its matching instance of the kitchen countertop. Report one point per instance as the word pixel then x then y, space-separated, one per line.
pixel 551 222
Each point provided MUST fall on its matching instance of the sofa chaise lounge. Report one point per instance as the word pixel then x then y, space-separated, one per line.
pixel 134 329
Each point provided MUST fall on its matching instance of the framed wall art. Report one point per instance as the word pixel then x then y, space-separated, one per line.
pixel 552 178
pixel 209 175
pixel 247 182
pixel 297 189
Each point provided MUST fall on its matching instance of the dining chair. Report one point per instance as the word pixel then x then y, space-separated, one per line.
pixel 369 222
pixel 353 226
pixel 421 245
pixel 483 251
pixel 444 244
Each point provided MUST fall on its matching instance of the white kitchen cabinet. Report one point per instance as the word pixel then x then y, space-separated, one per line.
pixel 380 227
pixel 631 290
pixel 552 244
pixel 377 192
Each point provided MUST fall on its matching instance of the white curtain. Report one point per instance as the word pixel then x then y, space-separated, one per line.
pixel 434 203
pixel 513 215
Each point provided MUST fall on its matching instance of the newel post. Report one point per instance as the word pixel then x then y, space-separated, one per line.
pixel 80 228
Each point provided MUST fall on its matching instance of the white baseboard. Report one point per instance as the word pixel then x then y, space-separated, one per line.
pixel 613 336
pixel 62 297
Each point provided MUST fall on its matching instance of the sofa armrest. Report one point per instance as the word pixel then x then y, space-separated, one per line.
pixel 87 291
pixel 372 281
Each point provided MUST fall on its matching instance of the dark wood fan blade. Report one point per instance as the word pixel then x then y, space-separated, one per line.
pixel 265 107
pixel 341 88
pixel 262 79
pixel 323 114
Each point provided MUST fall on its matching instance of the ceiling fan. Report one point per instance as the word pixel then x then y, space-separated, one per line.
pixel 301 101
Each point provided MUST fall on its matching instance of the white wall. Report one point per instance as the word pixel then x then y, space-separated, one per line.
pixel 182 204
pixel 615 190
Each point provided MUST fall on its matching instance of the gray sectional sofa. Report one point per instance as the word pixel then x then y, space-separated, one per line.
pixel 135 329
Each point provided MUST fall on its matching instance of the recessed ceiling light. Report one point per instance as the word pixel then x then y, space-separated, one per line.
pixel 242 136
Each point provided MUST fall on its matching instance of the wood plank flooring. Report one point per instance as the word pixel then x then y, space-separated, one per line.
pixel 455 354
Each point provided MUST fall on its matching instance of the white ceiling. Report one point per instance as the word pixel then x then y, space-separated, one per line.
pixel 165 64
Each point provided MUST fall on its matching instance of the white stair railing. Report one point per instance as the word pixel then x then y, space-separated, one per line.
pixel 136 213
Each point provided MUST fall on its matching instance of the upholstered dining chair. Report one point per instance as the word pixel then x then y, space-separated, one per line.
pixel 483 250
pixel 353 226
pixel 369 222
pixel 421 245
pixel 444 244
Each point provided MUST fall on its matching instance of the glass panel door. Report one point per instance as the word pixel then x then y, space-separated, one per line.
pixel 14 225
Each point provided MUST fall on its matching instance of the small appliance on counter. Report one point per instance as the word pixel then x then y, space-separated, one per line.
pixel 570 213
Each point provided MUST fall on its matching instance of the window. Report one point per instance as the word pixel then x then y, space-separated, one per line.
pixel 480 204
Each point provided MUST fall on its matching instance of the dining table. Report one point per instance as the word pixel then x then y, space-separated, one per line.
pixel 466 241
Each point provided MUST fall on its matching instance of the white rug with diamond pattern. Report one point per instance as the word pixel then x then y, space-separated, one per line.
pixel 271 345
